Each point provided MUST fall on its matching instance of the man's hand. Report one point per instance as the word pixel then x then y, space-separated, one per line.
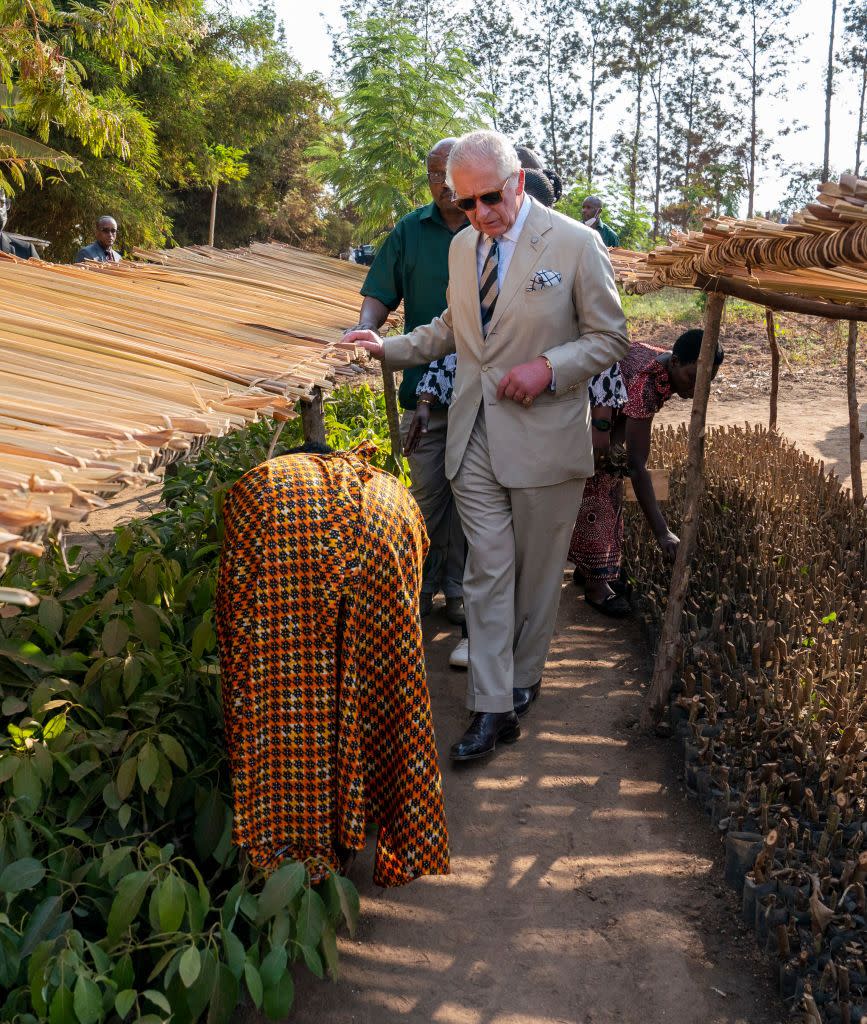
pixel 368 340
pixel 525 382
pixel 669 543
pixel 418 426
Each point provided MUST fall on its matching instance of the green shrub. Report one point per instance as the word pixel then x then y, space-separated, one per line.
pixel 121 895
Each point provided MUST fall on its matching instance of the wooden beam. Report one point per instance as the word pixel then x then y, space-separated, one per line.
pixel 393 416
pixel 668 651
pixel 772 300
pixel 313 418
pixel 775 367
pixel 854 425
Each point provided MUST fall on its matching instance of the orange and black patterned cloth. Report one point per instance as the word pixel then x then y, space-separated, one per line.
pixel 328 719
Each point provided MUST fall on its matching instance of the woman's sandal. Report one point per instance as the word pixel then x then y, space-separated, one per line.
pixel 615 605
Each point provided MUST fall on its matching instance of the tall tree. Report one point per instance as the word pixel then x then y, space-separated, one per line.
pixel 829 91
pixel 763 47
pixel 424 18
pixel 553 51
pixel 598 33
pixel 702 172
pixel 631 67
pixel 402 97
pixel 651 32
pixel 497 45
pixel 855 59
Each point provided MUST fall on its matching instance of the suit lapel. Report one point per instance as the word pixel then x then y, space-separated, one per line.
pixel 529 248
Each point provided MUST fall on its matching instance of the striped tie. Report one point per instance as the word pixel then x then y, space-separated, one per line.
pixel 489 288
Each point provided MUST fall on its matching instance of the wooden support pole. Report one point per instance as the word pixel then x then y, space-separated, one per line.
pixel 313 418
pixel 668 650
pixel 775 367
pixel 779 300
pixel 393 416
pixel 854 425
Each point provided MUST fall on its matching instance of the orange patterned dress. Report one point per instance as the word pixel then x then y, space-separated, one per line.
pixel 328 720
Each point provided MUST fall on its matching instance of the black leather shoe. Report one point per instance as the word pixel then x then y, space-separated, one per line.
pixel 487 729
pixel 524 697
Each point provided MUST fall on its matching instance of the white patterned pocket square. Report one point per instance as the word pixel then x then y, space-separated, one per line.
pixel 544 279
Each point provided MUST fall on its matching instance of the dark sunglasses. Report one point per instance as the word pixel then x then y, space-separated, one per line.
pixel 467 203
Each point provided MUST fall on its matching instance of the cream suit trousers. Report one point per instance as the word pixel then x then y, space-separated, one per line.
pixel 518 539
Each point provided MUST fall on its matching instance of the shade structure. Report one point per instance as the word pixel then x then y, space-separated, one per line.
pixel 110 371
pixel 820 255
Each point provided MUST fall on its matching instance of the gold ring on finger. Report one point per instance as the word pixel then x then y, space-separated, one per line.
pixel 527 401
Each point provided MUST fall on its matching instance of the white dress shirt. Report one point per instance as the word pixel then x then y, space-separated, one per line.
pixel 507 243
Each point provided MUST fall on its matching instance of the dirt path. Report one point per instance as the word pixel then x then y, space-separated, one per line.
pixel 584 885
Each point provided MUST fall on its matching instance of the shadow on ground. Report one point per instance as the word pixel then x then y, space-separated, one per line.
pixel 583 888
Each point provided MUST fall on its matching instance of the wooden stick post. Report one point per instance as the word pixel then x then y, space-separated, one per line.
pixel 669 641
pixel 854 425
pixel 775 367
pixel 393 415
pixel 313 418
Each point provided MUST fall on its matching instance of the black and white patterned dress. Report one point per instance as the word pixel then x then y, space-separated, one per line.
pixel 439 379
pixel 606 388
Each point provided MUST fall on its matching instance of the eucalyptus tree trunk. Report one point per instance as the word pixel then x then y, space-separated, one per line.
pixel 829 92
pixel 860 133
pixel 213 220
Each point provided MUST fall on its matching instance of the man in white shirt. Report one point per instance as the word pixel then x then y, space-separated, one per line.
pixel 533 314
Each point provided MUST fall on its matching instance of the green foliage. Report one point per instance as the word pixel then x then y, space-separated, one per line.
pixel 44 49
pixel 630 219
pixel 404 93
pixel 670 306
pixel 121 895
pixel 801 188
pixel 359 414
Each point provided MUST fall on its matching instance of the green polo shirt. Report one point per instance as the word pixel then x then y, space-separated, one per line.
pixel 413 265
pixel 609 235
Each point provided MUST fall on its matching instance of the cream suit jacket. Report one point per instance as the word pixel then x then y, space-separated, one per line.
pixel 558 300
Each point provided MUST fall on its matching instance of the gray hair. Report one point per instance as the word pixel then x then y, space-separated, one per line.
pixel 594 201
pixel 483 147
pixel 105 217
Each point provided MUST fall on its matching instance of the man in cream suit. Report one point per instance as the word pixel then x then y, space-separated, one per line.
pixel 533 314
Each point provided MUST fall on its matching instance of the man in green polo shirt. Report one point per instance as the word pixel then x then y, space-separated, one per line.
pixel 591 214
pixel 413 265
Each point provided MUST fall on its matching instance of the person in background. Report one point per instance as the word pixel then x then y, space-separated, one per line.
pixel 623 411
pixel 13 246
pixel 412 266
pixel 591 213
pixel 102 250
pixel 533 314
pixel 327 711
